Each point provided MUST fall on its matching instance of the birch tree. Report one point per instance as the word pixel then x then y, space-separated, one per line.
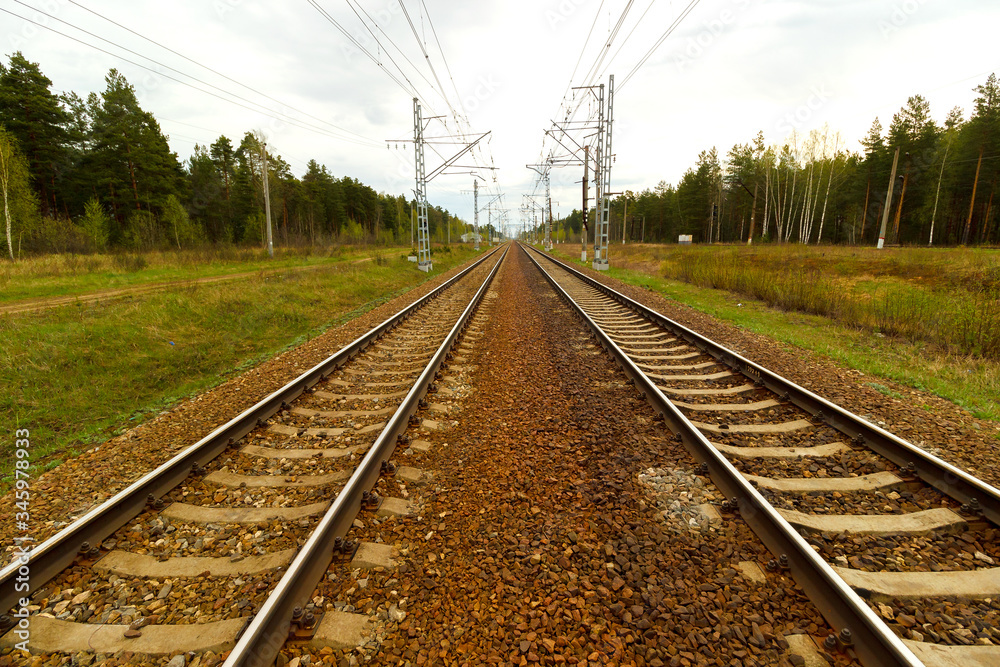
pixel 19 206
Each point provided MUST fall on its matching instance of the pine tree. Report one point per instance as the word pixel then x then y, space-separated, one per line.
pixel 38 121
pixel 985 128
pixel 130 162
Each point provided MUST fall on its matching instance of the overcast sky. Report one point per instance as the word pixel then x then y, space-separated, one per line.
pixel 731 68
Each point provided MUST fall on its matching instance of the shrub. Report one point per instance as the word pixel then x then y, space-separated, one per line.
pixel 96 224
pixel 179 225
pixel 130 263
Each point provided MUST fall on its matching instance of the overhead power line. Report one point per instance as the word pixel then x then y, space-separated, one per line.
pixel 387 37
pixel 626 40
pixel 261 109
pixel 411 90
pixel 669 31
pixel 207 68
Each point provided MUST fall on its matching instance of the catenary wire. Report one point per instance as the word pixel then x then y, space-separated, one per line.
pixel 288 120
pixel 213 71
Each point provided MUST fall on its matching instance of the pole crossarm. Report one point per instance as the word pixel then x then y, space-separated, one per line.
pixel 450 161
pixel 572 151
pixel 422 177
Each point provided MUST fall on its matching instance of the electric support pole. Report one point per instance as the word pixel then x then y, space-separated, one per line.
pixel 423 178
pixel 267 201
pixel 586 207
pixel 624 220
pixel 604 180
pixel 543 171
pixel 423 233
pixel 475 206
pixel 599 182
pixel 888 201
pixel 548 220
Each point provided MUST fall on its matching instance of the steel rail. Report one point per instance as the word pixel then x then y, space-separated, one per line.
pixel 943 476
pixel 57 552
pixel 263 638
pixel 872 640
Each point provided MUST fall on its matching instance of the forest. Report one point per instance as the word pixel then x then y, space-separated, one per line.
pixel 815 189
pixel 97 174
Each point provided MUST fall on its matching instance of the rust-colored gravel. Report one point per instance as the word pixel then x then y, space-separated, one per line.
pixel 74 487
pixel 924 419
pixel 81 595
pixel 548 535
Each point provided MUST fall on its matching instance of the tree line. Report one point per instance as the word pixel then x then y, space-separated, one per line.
pixel 98 174
pixel 813 188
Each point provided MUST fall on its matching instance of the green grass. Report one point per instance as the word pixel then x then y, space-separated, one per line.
pixel 948 298
pixel 78 374
pixel 882 389
pixel 68 274
pixel 970 382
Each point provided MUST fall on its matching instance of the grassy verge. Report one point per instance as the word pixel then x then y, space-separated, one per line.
pixel 77 375
pixel 69 275
pixel 972 383
pixel 946 297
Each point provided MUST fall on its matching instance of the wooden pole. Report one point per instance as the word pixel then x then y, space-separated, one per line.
pixel 753 214
pixel 583 223
pixel 972 204
pixel 864 216
pixel 899 208
pixel 888 201
pixel 267 200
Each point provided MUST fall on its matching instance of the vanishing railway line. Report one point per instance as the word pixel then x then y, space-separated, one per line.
pixel 854 511
pixel 244 540
pixel 298 466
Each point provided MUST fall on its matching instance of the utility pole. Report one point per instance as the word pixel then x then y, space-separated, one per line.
pixel 604 181
pixel 902 198
pixel 888 201
pixel 563 133
pixel 267 201
pixel 423 178
pixel 548 220
pixel 586 207
pixel 423 233
pixel 972 203
pixel 475 206
pixel 625 219
pixel 543 171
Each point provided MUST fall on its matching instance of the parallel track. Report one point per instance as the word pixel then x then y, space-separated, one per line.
pixel 757 420
pixel 257 469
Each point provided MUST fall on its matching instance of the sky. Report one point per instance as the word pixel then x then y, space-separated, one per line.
pixel 726 70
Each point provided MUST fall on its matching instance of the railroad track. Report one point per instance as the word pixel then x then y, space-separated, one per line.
pixel 222 547
pixel 897 548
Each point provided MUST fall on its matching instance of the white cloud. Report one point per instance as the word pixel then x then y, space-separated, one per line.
pixel 732 68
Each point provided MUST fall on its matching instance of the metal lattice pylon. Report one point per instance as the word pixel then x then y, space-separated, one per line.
pixel 603 177
pixel 548 203
pixel 475 206
pixel 423 233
